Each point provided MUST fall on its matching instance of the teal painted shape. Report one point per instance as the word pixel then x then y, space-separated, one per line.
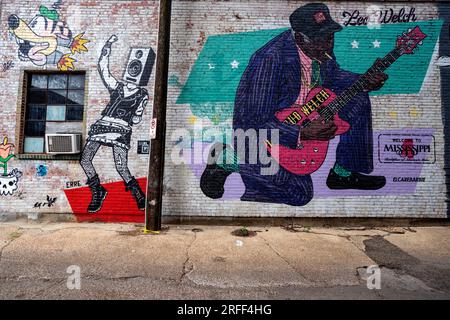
pixel 211 86
pixel 407 74
pixel 213 79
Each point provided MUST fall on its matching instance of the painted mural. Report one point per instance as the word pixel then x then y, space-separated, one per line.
pixel 306 105
pixel 46 40
pixel 302 95
pixel 106 179
pixel 41 170
pixel 8 179
pixel 128 100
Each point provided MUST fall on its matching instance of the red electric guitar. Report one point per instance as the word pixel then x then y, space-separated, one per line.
pixel 323 105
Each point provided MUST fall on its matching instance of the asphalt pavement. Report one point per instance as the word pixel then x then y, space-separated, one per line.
pixel 49 260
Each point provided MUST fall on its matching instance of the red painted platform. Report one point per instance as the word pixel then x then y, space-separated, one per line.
pixel 119 205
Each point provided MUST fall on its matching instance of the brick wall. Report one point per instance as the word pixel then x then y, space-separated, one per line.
pixel 204 38
pixel 211 45
pixel 135 25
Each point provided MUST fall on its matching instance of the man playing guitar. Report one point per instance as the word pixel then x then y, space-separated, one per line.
pixel 281 74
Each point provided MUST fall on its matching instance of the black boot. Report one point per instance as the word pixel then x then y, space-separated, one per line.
pixel 355 181
pixel 214 177
pixel 137 193
pixel 98 194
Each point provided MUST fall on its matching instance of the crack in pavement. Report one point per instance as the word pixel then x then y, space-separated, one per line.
pixel 41 291
pixel 60 228
pixel 89 277
pixel 9 243
pixel 356 245
pixel 349 236
pixel 20 278
pixel 285 260
pixel 346 236
pixel 381 229
pixel 187 266
pixel 94 277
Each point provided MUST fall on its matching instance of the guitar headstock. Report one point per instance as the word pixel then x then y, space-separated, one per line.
pixel 408 42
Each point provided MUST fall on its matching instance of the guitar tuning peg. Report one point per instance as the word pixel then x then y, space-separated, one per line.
pixel 409 30
pixel 421 43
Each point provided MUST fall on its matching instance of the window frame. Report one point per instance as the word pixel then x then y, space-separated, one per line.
pixel 26 89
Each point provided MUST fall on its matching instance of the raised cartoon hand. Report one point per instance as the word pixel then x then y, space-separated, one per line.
pixel 113 38
pixel 318 130
pixel 107 47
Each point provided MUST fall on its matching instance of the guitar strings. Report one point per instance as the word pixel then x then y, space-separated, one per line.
pixel 348 93
pixel 330 111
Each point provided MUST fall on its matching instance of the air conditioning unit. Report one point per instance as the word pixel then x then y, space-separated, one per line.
pixel 63 143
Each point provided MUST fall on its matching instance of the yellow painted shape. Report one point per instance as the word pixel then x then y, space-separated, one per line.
pixel 393 114
pixel 192 119
pixel 414 112
pixel 147 231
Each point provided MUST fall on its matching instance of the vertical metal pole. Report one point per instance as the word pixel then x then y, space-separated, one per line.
pixel 153 207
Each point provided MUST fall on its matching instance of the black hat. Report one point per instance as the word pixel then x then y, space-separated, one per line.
pixel 314 21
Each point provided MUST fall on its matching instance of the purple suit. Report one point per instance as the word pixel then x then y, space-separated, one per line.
pixel 271 83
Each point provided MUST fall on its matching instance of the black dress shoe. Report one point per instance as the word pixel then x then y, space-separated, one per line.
pixel 355 181
pixel 214 177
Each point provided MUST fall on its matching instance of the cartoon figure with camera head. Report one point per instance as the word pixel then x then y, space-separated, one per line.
pixel 128 100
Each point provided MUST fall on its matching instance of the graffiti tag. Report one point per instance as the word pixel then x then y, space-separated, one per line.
pixel 5 66
pixel 49 203
pixel 73 184
pixel 41 170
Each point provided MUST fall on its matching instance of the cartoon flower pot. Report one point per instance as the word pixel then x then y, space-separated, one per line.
pixel 8 184
pixel 5 155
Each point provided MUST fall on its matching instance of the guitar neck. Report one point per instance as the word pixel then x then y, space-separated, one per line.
pixel 359 85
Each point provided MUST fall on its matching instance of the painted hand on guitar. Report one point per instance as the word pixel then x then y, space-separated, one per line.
pixel 319 130
pixel 377 80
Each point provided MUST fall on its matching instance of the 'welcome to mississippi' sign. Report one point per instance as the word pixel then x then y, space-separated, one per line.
pixel 406 148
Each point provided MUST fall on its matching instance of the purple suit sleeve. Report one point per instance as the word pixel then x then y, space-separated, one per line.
pixel 258 99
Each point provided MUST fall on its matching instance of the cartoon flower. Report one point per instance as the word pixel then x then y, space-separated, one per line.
pixel 5 154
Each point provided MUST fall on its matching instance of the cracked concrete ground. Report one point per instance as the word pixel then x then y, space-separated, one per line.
pixel 207 262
